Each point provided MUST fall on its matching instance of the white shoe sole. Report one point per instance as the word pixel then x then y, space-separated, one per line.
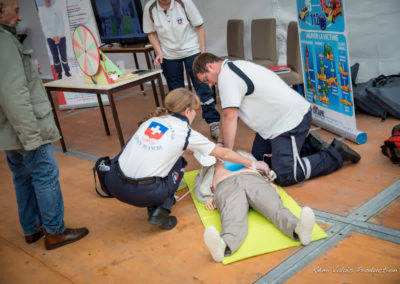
pixel 215 243
pixel 307 220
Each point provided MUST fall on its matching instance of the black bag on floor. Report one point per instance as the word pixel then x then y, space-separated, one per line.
pixel 391 148
pixel 361 100
pixel 101 166
pixel 385 93
pixel 364 103
pixel 379 96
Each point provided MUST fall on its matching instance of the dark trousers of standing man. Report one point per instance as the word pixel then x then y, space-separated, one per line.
pixel 173 72
pixel 292 158
pixel 58 50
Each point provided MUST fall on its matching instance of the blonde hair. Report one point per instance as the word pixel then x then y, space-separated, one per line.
pixel 177 101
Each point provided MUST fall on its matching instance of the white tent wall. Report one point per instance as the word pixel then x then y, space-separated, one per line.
pixel 372 29
pixel 35 40
pixel 374 36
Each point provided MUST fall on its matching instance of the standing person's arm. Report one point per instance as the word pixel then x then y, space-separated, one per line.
pixel 155 42
pixel 229 126
pixel 197 21
pixel 59 24
pixel 15 99
pixel 150 29
pixel 201 34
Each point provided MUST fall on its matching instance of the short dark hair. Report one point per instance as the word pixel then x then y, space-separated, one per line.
pixel 200 62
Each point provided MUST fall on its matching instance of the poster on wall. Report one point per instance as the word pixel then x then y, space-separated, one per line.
pixel 326 67
pixel 58 19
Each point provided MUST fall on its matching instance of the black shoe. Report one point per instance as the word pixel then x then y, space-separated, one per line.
pixel 59 76
pixel 67 74
pixel 161 218
pixel 150 211
pixel 345 151
pixel 316 142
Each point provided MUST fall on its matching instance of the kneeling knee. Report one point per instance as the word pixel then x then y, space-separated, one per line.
pixel 284 179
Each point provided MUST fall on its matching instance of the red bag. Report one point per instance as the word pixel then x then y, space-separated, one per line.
pixel 391 148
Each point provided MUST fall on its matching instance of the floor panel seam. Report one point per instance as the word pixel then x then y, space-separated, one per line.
pixel 293 264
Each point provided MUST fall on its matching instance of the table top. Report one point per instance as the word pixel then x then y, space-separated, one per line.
pixel 129 48
pixel 78 83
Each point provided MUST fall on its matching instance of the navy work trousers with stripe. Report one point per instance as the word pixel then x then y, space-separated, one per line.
pixel 278 153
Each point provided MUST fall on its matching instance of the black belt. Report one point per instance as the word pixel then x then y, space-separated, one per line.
pixel 146 180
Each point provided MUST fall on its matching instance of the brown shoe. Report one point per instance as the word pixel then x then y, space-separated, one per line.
pixel 53 241
pixel 30 239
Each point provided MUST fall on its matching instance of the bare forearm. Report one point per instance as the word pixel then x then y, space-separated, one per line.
pixel 153 38
pixel 229 128
pixel 230 156
pixel 201 34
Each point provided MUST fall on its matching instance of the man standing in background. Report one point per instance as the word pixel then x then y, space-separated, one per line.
pixel 27 129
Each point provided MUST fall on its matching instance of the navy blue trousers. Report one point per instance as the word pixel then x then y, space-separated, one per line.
pixel 158 194
pixel 278 153
pixel 58 50
pixel 173 72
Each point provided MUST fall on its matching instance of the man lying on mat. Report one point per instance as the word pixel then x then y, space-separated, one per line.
pixel 233 192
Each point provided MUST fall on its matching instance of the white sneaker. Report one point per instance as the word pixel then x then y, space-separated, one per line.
pixel 305 226
pixel 215 243
pixel 214 130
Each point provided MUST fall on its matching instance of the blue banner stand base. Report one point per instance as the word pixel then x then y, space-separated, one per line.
pixel 355 136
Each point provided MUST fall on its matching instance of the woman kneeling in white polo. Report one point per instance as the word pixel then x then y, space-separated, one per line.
pixel 149 168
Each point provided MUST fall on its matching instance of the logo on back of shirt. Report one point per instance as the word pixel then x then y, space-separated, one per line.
pixel 179 21
pixel 155 130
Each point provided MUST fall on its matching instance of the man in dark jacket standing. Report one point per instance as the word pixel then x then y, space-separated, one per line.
pixel 27 129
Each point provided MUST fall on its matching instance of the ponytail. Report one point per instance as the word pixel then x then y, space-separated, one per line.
pixel 177 101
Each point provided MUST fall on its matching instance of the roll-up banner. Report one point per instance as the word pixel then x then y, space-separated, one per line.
pixel 58 19
pixel 326 67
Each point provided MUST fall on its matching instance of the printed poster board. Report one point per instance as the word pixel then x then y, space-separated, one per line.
pixel 326 67
pixel 58 19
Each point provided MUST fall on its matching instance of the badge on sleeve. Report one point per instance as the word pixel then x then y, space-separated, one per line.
pixel 155 130
pixel 175 177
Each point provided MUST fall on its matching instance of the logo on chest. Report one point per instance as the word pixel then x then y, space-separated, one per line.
pixel 179 21
pixel 155 130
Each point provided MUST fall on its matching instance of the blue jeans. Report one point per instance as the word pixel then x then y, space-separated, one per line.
pixel 39 198
pixel 173 72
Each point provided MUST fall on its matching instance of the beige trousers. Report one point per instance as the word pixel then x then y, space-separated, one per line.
pixel 234 196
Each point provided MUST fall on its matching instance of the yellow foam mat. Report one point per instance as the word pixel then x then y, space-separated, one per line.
pixel 263 236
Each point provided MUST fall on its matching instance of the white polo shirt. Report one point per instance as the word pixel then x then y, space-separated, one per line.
pixel 176 33
pixel 158 144
pixel 272 109
pixel 52 22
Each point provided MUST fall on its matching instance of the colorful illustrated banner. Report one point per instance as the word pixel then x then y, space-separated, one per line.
pixel 326 67
pixel 321 15
pixel 58 19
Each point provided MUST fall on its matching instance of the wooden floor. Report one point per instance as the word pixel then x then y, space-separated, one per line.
pixel 358 206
